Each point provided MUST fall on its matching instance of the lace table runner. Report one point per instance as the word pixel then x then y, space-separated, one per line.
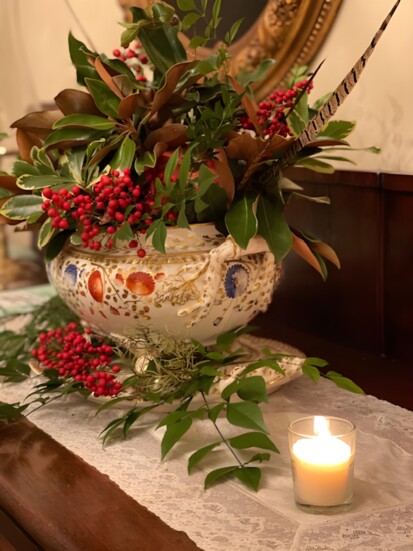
pixel 228 517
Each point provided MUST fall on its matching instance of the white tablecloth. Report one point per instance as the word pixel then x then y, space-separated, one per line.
pixel 228 517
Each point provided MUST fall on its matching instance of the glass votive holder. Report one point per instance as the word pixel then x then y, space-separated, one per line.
pixel 322 459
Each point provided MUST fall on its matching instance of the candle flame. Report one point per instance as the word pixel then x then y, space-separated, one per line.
pixel 321 426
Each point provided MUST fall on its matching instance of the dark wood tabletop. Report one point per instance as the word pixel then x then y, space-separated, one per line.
pixel 52 500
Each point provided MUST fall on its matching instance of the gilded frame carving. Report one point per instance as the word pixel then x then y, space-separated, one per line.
pixel 289 31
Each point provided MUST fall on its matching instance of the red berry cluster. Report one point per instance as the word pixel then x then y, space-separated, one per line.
pixel 73 356
pixel 134 59
pixel 116 198
pixel 271 112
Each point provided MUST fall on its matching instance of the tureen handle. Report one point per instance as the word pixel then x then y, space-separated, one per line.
pixel 228 251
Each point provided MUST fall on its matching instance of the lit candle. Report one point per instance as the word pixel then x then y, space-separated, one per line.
pixel 322 461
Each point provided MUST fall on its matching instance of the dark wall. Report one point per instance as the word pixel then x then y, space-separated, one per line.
pixel 368 304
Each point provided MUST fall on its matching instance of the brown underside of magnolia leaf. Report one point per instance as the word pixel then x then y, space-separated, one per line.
pixel 72 102
pixel 173 134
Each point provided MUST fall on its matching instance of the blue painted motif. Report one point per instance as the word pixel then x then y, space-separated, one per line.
pixel 71 275
pixel 236 281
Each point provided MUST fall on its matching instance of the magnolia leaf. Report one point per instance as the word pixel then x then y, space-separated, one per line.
pixel 39 122
pixel 253 440
pixel 89 121
pixel 286 184
pixel 162 45
pixel 172 78
pixel 197 456
pixel 71 102
pixel 9 183
pixel 20 207
pixel 129 105
pixel 324 200
pixel 315 165
pixel 174 433
pixel 79 54
pixel 45 234
pixel 56 244
pixel 344 382
pixel 172 134
pixel 124 156
pixel 107 78
pixel 217 474
pixel 241 221
pixel 327 252
pixel 337 130
pixel 71 136
pixel 25 143
pixel 250 476
pixel 302 249
pixel 106 101
pixel 247 103
pixel 225 175
pixel 244 147
pixel 247 415
pixel 273 228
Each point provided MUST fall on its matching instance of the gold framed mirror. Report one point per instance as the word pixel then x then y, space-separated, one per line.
pixel 289 31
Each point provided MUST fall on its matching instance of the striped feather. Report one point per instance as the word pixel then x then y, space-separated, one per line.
pixel 336 99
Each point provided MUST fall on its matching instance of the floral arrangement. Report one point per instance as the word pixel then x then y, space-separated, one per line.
pixel 162 138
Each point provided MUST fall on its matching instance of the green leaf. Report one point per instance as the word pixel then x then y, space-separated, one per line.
pixel 11 411
pixel 296 123
pixel 89 121
pixel 215 411
pixel 45 234
pixel 189 20
pixel 217 474
pixel 337 130
pixel 344 382
pixel 172 418
pixel 182 220
pixel 125 232
pixel 174 433
pixel 311 371
pixel 5 193
pixel 56 244
pixel 20 207
pixel 197 41
pixel 171 166
pixel 253 440
pixel 22 168
pixel 128 35
pixel 158 231
pixel 106 101
pixel 253 389
pixel 212 205
pixel 197 456
pixel 124 156
pixel 247 415
pixel 78 54
pixel 162 45
pixel 245 78
pixel 250 476
pixel 241 221
pixel 39 182
pixel 273 228
pixel 186 5
pixel 147 160
pixel 77 135
pixel 315 165
pixel 232 33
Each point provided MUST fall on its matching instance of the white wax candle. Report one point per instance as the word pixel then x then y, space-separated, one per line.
pixel 323 470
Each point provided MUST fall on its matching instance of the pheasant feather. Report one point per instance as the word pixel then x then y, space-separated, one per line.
pixel 337 98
